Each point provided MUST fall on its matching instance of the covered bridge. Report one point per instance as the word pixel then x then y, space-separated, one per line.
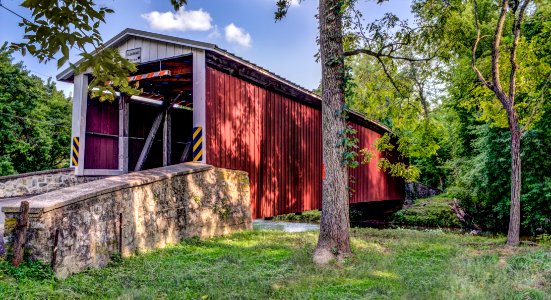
pixel 201 103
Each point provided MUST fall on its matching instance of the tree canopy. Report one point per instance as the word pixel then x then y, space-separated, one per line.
pixel 453 129
pixel 35 120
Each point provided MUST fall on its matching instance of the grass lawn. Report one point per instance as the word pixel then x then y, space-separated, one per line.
pixel 387 264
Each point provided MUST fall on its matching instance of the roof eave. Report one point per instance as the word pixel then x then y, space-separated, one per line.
pixel 67 74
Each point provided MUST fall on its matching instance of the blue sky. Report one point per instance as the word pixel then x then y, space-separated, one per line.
pixel 244 27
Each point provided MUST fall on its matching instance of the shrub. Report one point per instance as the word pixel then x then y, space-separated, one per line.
pixel 432 212
pixel 29 269
pixel 311 216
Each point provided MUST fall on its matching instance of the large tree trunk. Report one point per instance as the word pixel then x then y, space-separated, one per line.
pixel 513 234
pixel 334 242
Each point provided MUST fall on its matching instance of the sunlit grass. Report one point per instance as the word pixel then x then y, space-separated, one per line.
pixel 387 264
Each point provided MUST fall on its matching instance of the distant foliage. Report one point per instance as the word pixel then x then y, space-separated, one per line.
pixel 477 158
pixel 35 121
pixel 482 181
pixel 453 131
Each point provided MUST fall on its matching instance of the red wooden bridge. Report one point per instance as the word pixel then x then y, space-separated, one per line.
pixel 214 107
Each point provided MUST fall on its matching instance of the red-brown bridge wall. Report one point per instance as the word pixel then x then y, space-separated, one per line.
pixel 278 142
pixel 367 181
pixel 102 135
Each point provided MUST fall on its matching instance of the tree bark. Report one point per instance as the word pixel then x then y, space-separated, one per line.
pixel 513 234
pixel 334 241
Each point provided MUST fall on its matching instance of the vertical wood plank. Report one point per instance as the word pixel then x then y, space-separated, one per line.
pixel 146 44
pixel 258 143
pixel 285 195
pixel 272 156
pixel 292 155
pixel 280 161
pixel 263 155
pixel 170 51
pixel 153 51
pixel 161 50
pixel 209 117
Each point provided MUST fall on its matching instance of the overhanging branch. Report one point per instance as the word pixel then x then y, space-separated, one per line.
pixel 513 55
pixel 475 46
pixel 380 54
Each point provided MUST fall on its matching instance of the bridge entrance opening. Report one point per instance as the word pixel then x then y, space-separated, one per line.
pixel 149 130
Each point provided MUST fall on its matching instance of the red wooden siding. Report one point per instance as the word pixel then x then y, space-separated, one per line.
pixel 102 135
pixel 269 136
pixel 278 142
pixel 367 181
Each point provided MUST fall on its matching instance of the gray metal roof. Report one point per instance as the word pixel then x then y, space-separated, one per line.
pixel 67 74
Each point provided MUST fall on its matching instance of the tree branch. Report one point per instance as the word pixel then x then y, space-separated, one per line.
pixel 477 40
pixel 495 57
pixel 379 55
pixel 387 73
pixel 513 56
pixel 421 91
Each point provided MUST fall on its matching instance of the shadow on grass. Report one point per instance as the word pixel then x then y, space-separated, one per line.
pixel 390 264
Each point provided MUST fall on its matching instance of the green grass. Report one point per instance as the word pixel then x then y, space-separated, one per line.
pixel 387 264
pixel 433 212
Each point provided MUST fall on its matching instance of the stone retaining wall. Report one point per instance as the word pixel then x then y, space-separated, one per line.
pixel 40 182
pixel 417 190
pixel 134 212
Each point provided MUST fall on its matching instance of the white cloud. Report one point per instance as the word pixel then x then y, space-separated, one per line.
pixel 295 2
pixel 237 35
pixel 215 33
pixel 182 20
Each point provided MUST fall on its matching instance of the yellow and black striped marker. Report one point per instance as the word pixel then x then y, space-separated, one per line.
pixel 197 143
pixel 74 156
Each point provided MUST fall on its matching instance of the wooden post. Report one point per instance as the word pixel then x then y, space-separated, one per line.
pixel 120 234
pixel 167 139
pixel 54 249
pixel 167 105
pixel 199 96
pixel 124 113
pixel 185 154
pixel 149 141
pixel 80 107
pixel 21 234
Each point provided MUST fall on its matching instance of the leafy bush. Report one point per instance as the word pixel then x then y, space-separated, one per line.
pixel 433 212
pixel 311 216
pixel 29 269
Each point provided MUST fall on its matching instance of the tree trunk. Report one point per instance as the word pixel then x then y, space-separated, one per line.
pixel 513 235
pixel 334 242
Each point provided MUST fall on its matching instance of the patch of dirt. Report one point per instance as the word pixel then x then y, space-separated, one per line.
pixel 544 280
